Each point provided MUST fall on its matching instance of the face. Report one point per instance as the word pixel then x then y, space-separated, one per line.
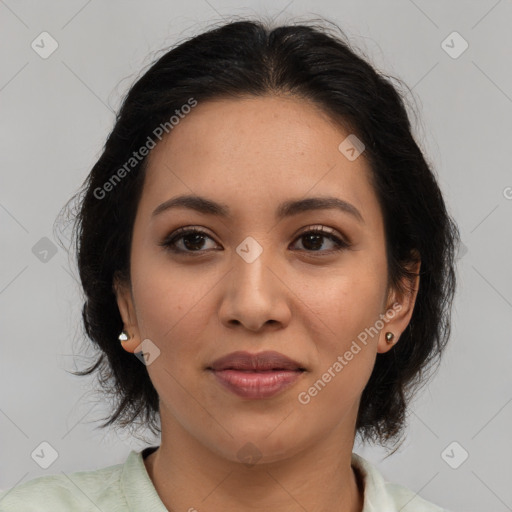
pixel 310 285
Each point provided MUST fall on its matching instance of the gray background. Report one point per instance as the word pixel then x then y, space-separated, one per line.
pixel 56 114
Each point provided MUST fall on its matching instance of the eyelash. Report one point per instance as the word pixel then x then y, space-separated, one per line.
pixel 169 243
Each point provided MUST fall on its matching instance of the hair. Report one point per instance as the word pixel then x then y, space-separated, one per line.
pixel 250 58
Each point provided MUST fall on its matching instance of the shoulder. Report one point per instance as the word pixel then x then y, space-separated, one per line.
pixel 81 490
pixel 406 500
pixel 386 496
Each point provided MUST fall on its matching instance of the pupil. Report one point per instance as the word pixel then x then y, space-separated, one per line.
pixel 318 238
pixel 198 239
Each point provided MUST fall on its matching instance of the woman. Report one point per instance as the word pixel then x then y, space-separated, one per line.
pixel 265 239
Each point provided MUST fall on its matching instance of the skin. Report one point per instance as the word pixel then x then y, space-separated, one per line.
pixel 251 154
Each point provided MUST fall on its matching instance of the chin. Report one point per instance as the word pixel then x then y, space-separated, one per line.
pixel 254 445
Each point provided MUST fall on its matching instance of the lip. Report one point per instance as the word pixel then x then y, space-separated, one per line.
pixel 256 376
pixel 262 361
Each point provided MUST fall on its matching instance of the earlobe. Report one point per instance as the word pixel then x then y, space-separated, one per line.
pixel 399 310
pixel 387 340
pixel 128 341
pixel 129 337
pixel 390 338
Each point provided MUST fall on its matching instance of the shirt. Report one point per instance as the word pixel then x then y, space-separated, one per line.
pixel 127 487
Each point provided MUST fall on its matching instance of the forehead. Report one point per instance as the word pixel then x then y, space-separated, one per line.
pixel 254 151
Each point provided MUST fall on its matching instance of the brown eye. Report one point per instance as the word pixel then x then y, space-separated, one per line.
pixel 192 241
pixel 314 239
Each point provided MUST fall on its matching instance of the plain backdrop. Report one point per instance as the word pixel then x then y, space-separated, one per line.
pixel 55 115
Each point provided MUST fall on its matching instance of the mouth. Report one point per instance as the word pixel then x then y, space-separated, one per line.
pixel 256 376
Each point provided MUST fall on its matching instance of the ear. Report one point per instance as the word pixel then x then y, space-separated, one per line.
pixel 123 292
pixel 399 308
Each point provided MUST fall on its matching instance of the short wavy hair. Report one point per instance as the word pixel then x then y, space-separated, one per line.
pixel 251 58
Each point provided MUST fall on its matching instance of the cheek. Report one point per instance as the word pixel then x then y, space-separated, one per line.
pixel 166 315
pixel 171 314
pixel 344 303
pixel 341 312
pixel 340 318
pixel 158 288
pixel 163 293
pixel 171 306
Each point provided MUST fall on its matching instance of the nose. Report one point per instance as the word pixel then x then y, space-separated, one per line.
pixel 255 294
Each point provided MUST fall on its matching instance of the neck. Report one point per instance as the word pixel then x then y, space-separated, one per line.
pixel 189 476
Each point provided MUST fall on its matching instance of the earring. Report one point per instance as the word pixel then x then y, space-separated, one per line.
pixel 389 337
pixel 124 336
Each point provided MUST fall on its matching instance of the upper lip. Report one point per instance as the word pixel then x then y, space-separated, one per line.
pixel 268 360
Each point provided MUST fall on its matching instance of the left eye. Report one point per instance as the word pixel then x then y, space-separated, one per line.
pixel 314 239
pixel 193 240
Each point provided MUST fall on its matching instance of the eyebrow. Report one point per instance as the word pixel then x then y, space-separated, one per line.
pixel 286 209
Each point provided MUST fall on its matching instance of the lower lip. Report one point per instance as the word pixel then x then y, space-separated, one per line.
pixel 256 385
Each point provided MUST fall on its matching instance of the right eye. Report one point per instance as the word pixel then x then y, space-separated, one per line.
pixel 192 241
